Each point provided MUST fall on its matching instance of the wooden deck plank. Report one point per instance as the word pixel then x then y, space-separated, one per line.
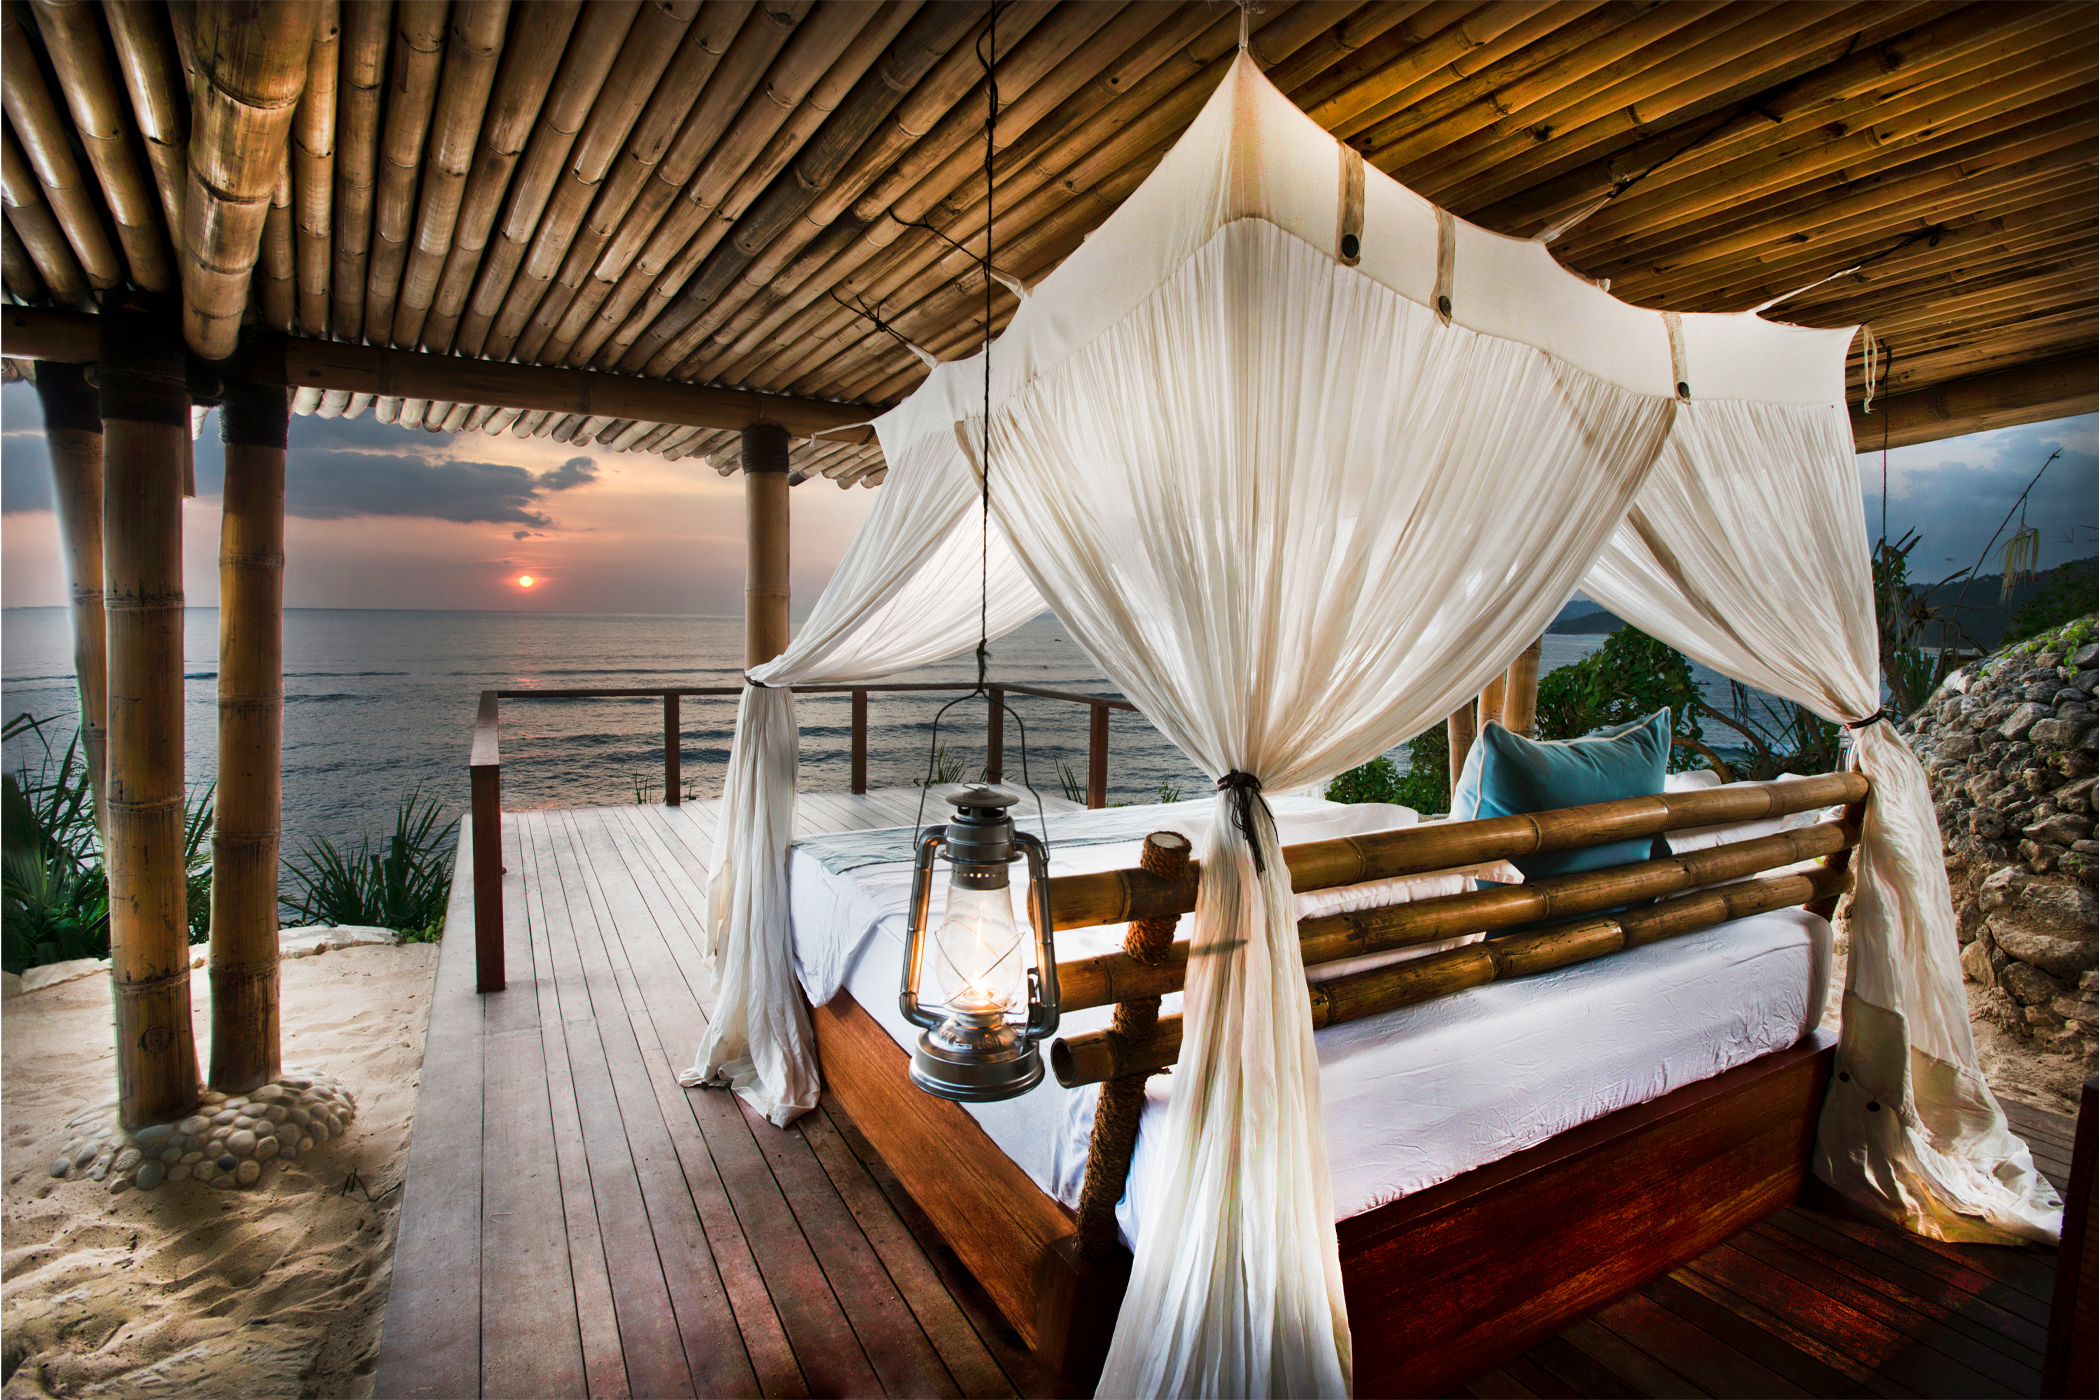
pixel 1578 1372
pixel 648 1323
pixel 816 1325
pixel 1772 1351
pixel 597 1322
pixel 1624 1359
pixel 2019 1280
pixel 518 1005
pixel 1691 1351
pixel 711 1342
pixel 1778 1321
pixel 530 1343
pixel 430 1342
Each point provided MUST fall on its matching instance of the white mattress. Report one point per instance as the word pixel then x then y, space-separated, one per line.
pixel 1412 1097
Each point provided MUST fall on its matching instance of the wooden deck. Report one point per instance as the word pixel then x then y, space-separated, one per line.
pixel 574 1223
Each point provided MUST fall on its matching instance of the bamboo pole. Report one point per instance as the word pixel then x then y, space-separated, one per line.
pixel 152 76
pixel 43 133
pixel 418 63
pixel 145 417
pixel 1101 1056
pixel 1491 701
pixel 598 41
pixel 73 42
pixel 246 837
pixel 313 168
pixel 276 260
pixel 17 268
pixel 651 44
pixel 73 432
pixel 463 96
pixel 1520 692
pixel 32 221
pixel 1118 977
pixel 1117 896
pixel 766 543
pixel 252 59
pixel 360 84
pixel 532 52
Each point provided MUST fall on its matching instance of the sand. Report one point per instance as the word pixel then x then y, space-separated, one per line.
pixel 278 1289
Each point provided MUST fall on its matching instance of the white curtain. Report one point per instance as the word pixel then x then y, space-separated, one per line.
pixel 1288 553
pixel 920 543
pixel 1748 552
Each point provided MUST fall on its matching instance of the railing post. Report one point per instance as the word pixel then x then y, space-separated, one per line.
pixel 486 769
pixel 1097 756
pixel 860 741
pixel 671 781
pixel 995 737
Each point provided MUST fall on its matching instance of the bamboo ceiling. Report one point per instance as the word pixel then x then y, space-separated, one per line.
pixel 790 197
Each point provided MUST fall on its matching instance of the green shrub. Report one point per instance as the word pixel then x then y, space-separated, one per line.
pixel 403 886
pixel 2068 596
pixel 1425 786
pixel 54 892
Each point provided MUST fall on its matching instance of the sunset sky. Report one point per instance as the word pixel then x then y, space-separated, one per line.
pixel 383 517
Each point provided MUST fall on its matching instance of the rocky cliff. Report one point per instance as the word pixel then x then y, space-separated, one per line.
pixel 2009 744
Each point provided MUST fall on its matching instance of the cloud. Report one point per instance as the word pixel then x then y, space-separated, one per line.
pixel 577 471
pixel 331 485
pixel 1955 493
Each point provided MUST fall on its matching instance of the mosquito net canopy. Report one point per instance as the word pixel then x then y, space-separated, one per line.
pixel 1301 461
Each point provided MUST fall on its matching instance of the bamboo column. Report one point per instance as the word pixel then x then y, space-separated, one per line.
pixel 73 429
pixel 766 543
pixel 146 420
pixel 244 1027
pixel 1492 699
pixel 1463 729
pixel 1520 692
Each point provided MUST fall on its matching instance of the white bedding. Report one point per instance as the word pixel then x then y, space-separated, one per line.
pixel 1412 1097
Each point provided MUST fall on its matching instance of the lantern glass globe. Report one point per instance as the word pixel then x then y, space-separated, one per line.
pixel 978 965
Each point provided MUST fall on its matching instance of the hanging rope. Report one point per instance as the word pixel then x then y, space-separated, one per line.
pixel 987 54
pixel 1245 789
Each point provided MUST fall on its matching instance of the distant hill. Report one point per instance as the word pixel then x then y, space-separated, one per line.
pixel 1979 613
pixel 1590 619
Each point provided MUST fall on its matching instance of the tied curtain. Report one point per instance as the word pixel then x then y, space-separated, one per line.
pixel 1747 551
pixel 921 540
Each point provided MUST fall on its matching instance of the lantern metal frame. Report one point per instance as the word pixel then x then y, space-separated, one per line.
pixel 981 1057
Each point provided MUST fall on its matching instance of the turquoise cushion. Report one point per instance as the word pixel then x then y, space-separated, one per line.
pixel 1507 775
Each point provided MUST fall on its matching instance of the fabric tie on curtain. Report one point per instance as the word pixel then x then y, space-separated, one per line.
pixel 1747 551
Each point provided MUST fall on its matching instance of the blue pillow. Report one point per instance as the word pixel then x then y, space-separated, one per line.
pixel 1507 775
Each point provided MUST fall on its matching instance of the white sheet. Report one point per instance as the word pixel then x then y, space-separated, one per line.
pixel 1410 1098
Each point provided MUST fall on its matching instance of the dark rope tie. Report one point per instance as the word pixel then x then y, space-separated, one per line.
pixel 1878 717
pixel 1246 791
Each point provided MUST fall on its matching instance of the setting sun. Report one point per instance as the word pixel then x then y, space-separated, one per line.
pixel 525 580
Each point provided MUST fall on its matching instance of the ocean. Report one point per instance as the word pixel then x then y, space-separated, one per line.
pixel 378 703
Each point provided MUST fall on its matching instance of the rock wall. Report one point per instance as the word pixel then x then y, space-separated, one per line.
pixel 2009 744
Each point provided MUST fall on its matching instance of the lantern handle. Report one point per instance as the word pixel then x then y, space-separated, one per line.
pixel 1043 1005
pixel 932 841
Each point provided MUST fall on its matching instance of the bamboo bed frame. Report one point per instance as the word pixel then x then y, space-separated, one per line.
pixel 1447 1283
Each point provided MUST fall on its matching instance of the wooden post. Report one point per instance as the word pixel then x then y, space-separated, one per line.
pixel 73 430
pixel 146 423
pixel 1462 730
pixel 1097 756
pixel 995 737
pixel 1492 700
pixel 485 771
pixel 860 741
pixel 1520 696
pixel 766 543
pixel 245 1044
pixel 671 754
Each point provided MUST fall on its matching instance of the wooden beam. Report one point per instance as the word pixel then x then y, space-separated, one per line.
pixel 34 334
pixel 765 543
pixel 73 431
pixel 2030 393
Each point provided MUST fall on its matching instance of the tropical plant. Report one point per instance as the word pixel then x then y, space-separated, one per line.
pixel 403 886
pixel 1425 786
pixel 1073 785
pixel 1629 678
pixel 1903 612
pixel 1168 792
pixel 54 891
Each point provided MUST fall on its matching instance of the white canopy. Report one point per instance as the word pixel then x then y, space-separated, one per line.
pixel 1302 462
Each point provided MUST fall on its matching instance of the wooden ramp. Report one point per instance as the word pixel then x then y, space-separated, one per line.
pixel 574 1223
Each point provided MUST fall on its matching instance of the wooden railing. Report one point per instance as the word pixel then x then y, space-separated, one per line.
pixel 486 770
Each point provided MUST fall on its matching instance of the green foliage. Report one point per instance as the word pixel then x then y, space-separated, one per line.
pixel 1168 792
pixel 1629 678
pixel 1073 785
pixel 402 886
pixel 54 892
pixel 1425 786
pixel 2069 595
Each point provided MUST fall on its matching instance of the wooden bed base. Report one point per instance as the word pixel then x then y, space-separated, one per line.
pixel 1443 1285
